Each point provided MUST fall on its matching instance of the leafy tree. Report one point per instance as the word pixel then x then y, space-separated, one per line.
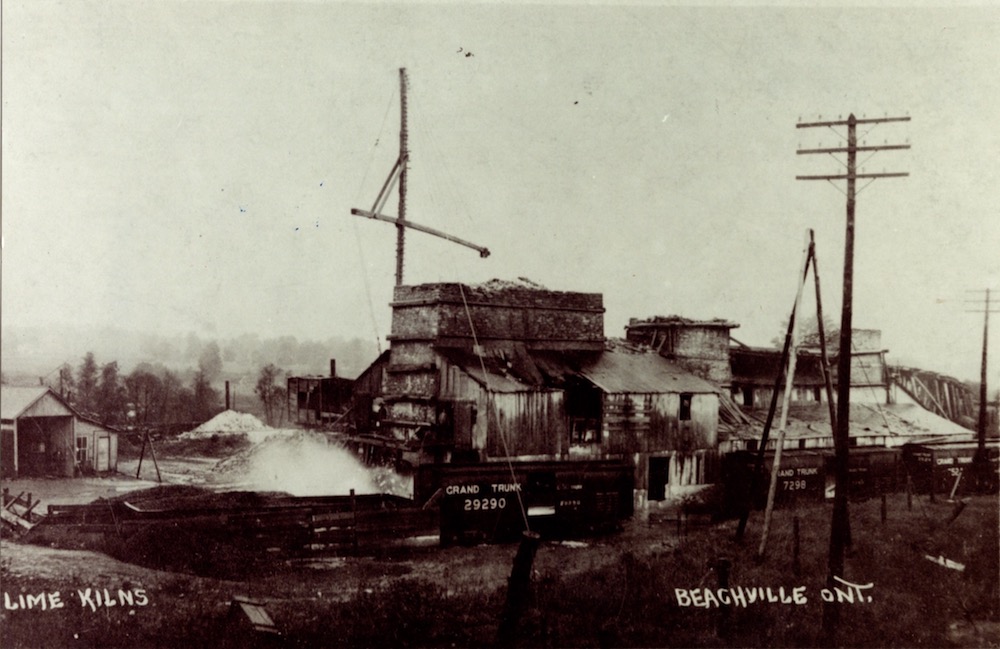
pixel 110 400
pixel 145 392
pixel 66 382
pixel 86 384
pixel 807 330
pixel 183 409
pixel 176 399
pixel 271 393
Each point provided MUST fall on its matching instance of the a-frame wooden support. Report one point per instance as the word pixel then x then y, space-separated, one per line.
pixel 147 440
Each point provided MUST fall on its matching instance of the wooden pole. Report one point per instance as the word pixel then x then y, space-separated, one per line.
pixel 142 454
pixel 840 525
pixel 796 548
pixel 825 359
pixel 722 566
pixel 517 588
pixel 840 520
pixel 152 454
pixel 759 461
pixel 404 152
pixel 981 464
pixel 785 401
pixel 354 520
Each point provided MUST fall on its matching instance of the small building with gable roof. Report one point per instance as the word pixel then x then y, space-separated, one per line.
pixel 42 435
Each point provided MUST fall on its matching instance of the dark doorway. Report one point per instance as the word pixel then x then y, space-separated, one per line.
pixel 659 475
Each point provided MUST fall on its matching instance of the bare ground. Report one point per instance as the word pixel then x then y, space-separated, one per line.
pixel 318 595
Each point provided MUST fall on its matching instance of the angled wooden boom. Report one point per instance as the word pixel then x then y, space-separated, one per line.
pixel 398 174
pixel 483 252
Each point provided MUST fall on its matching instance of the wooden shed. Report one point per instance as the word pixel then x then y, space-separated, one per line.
pixel 96 446
pixel 662 417
pixel 42 435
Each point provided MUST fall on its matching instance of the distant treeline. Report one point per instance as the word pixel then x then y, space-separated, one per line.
pixel 40 351
pixel 150 396
pixel 174 382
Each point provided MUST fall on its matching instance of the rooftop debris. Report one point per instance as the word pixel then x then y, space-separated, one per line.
pixel 659 320
pixel 504 284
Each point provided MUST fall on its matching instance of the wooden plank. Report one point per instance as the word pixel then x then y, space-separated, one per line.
pixel 15 520
pixel 13 502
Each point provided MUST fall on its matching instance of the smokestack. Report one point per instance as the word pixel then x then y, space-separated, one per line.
pixel 333 367
pixel 227 395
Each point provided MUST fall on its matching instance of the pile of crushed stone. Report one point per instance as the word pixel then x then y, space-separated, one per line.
pixel 231 422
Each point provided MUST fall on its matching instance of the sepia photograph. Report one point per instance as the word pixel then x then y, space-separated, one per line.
pixel 499 324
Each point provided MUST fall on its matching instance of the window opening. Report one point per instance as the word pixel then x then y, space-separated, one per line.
pixel 685 410
pixel 81 450
pixel 583 409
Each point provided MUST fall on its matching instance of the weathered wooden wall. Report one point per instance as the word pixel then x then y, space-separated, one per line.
pixel 643 423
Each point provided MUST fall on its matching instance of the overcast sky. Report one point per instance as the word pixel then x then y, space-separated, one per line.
pixel 191 166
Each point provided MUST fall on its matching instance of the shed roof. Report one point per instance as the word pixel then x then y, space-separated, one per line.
pixel 15 399
pixel 892 420
pixel 511 371
pixel 615 371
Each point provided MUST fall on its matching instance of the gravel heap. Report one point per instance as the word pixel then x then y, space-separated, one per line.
pixel 228 421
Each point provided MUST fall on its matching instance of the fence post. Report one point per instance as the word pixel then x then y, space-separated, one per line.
pixel 517 588
pixel 885 512
pixel 909 493
pixel 796 563
pixel 354 520
pixel 722 566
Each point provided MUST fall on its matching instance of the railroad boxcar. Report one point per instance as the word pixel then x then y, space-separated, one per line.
pixel 495 501
pixel 801 478
pixel 944 467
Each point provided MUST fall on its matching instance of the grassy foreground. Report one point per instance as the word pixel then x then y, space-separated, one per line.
pixel 630 600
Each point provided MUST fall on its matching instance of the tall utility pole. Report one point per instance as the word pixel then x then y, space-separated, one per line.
pixel 982 465
pixel 404 162
pixel 840 525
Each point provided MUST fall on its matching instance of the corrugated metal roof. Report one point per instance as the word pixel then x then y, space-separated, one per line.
pixel 16 399
pixel 892 420
pixel 624 372
pixel 613 371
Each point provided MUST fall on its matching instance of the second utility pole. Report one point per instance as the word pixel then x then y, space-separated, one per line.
pixel 840 525
pixel 981 464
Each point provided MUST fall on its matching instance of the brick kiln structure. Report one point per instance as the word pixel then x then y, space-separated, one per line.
pixel 512 370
